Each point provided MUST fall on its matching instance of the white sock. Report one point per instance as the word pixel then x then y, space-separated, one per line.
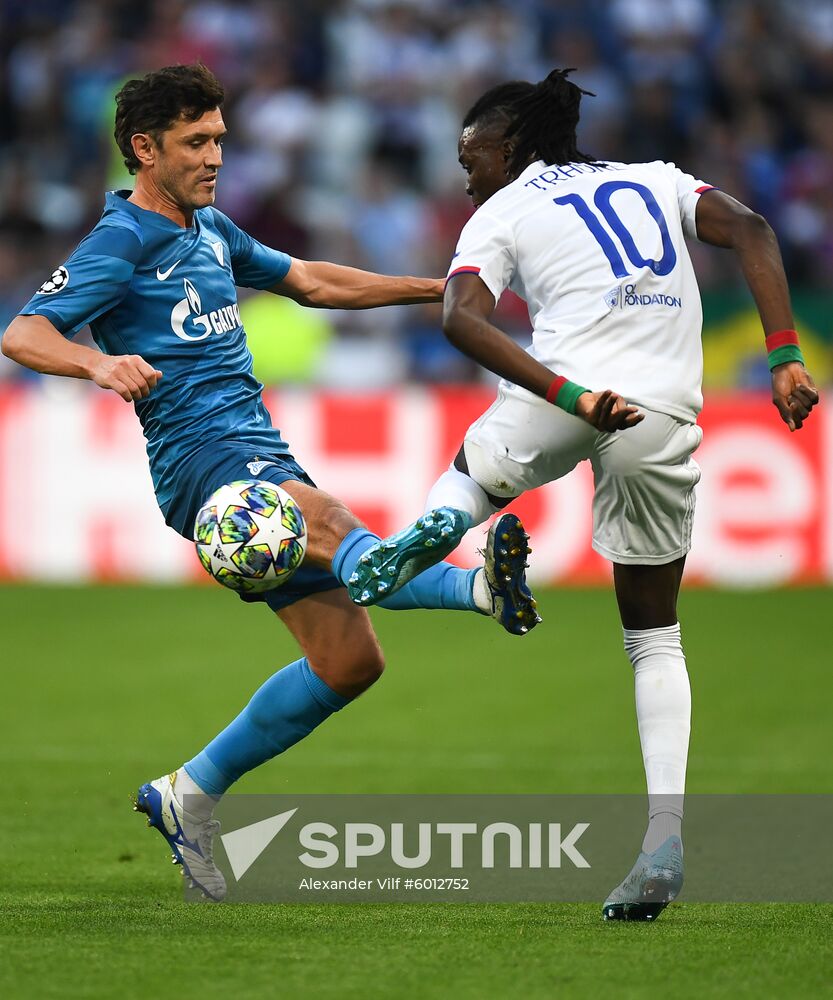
pixel 481 593
pixel 663 713
pixel 456 489
pixel 200 804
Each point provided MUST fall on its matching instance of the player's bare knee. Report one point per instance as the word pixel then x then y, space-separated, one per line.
pixel 349 672
pixel 366 665
pixel 372 667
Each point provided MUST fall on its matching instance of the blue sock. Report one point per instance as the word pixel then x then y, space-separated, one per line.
pixel 442 586
pixel 282 711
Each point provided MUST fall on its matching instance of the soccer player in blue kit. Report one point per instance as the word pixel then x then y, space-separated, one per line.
pixel 155 280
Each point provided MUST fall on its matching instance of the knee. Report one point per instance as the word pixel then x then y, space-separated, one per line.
pixel 368 668
pixel 647 595
pixel 498 475
pixel 351 671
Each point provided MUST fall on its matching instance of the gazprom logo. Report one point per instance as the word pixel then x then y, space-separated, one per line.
pixel 187 313
pixel 193 297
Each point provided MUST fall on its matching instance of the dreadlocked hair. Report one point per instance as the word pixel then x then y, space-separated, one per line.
pixel 497 106
pixel 543 122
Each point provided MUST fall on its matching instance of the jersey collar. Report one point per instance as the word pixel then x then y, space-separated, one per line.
pixel 116 201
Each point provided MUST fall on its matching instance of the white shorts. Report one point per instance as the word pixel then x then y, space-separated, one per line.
pixel 644 476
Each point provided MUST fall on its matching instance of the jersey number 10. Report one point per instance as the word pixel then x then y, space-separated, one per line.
pixel 602 202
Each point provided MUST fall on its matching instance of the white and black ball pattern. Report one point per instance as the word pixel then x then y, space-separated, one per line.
pixel 57 281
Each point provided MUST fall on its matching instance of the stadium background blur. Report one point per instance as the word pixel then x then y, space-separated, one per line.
pixel 343 120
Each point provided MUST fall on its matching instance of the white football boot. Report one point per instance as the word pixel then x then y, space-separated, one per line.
pixel 654 881
pixel 191 840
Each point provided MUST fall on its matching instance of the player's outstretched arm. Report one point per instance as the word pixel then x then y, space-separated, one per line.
pixel 331 286
pixel 32 341
pixel 467 306
pixel 725 222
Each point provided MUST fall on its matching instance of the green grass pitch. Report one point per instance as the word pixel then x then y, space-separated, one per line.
pixel 102 688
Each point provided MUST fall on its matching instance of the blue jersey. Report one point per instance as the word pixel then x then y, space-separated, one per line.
pixel 148 286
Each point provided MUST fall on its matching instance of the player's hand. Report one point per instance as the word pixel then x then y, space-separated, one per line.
pixel 794 393
pixel 127 374
pixel 607 411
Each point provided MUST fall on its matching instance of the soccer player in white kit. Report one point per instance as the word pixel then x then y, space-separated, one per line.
pixel 597 250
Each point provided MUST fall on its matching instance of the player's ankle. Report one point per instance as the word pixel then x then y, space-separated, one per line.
pixel 480 592
pixel 661 826
pixel 194 800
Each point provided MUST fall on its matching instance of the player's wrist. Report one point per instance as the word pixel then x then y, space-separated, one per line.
pixel 88 363
pixel 564 394
pixel 783 347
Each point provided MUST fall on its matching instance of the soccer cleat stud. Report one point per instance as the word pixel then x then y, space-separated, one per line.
pixel 512 602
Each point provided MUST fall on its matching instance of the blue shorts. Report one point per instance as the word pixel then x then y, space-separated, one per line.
pixel 226 463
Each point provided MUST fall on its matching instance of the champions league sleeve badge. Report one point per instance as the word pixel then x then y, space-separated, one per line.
pixel 57 281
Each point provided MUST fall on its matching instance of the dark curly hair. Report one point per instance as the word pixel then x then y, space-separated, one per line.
pixel 154 103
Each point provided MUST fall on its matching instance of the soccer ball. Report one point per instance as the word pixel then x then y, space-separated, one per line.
pixel 250 536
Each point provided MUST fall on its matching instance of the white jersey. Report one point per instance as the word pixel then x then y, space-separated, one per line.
pixel 597 251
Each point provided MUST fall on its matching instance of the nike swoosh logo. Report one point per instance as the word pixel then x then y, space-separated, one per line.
pixel 162 275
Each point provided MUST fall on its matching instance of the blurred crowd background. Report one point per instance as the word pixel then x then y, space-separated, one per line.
pixel 343 121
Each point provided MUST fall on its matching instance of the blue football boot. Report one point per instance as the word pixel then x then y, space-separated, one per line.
pixel 653 882
pixel 396 560
pixel 505 562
